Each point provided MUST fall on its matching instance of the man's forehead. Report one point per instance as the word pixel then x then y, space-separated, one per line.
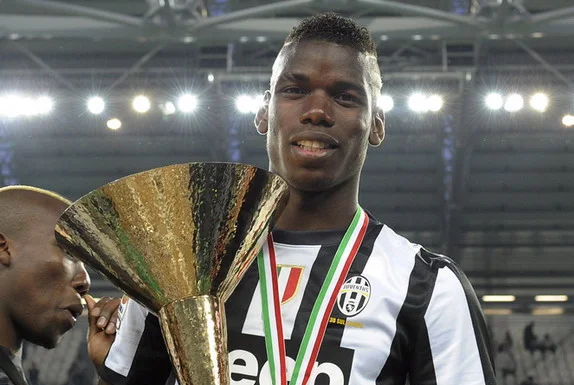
pixel 308 57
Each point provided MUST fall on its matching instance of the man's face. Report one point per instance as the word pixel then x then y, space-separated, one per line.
pixel 320 115
pixel 46 295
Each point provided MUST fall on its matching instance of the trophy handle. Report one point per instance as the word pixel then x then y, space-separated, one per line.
pixel 195 334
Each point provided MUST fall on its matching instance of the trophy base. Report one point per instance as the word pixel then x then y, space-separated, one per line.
pixel 194 332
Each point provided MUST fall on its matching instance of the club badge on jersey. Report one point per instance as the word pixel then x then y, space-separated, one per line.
pixel 354 296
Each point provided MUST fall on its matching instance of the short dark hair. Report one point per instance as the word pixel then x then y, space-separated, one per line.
pixel 333 28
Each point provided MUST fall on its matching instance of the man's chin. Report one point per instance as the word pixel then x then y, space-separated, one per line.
pixel 314 184
pixel 49 342
pixel 310 180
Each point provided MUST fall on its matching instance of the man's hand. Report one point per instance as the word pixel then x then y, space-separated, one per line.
pixel 103 319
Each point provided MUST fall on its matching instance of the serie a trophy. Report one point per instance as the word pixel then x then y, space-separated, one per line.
pixel 178 239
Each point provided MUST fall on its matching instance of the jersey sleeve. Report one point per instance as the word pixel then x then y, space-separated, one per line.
pixel 138 354
pixel 452 344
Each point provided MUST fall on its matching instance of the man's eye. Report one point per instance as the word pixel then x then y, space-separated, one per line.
pixel 294 90
pixel 348 98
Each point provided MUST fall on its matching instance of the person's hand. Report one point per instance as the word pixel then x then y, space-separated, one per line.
pixel 103 320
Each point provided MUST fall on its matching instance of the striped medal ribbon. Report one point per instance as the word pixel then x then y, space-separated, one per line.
pixel 317 325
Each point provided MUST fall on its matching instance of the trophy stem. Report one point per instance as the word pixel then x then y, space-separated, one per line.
pixel 194 331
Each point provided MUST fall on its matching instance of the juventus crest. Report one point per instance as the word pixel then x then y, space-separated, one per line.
pixel 354 295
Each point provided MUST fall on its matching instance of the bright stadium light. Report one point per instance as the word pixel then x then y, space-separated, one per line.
pixel 248 104
pixel 498 298
pixel 514 103
pixel 22 106
pixel 568 120
pixel 187 103
pixel 3 107
pixel 385 103
pixel 418 103
pixel 494 101
pixel 168 108
pixel 96 105
pixel 14 106
pixel 551 298
pixel 141 104
pixel 539 102
pixel 44 105
pixel 243 103
pixel 435 103
pixel 114 124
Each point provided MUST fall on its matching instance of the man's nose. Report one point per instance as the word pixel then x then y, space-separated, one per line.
pixel 317 110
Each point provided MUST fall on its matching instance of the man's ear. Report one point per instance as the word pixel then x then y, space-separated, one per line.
pixel 262 116
pixel 377 134
pixel 5 258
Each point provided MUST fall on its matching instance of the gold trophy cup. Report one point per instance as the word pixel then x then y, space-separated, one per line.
pixel 178 239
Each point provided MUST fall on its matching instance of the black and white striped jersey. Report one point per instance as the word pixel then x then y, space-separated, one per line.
pixel 402 313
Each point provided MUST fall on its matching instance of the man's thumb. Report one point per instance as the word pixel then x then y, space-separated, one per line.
pixel 92 320
pixel 90 302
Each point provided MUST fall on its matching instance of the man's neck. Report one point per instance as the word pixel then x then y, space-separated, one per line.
pixel 308 211
pixel 8 336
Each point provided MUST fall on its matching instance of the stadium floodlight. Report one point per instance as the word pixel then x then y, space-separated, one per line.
pixel 10 106
pixel 551 298
pixel 23 106
pixel 114 124
pixel 243 103
pixel 15 106
pixel 568 120
pixel 498 298
pixel 418 102
pixel 435 103
pixel 44 105
pixel 187 103
pixel 141 104
pixel 3 106
pixel 539 102
pixel 385 102
pixel 514 103
pixel 494 101
pixel 168 108
pixel 248 104
pixel 96 105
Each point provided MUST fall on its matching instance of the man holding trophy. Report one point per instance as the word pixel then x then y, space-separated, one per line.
pixel 334 297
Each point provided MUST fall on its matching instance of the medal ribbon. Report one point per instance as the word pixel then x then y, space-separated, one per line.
pixel 317 324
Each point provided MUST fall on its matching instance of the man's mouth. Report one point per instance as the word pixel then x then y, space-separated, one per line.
pixel 75 310
pixel 313 145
